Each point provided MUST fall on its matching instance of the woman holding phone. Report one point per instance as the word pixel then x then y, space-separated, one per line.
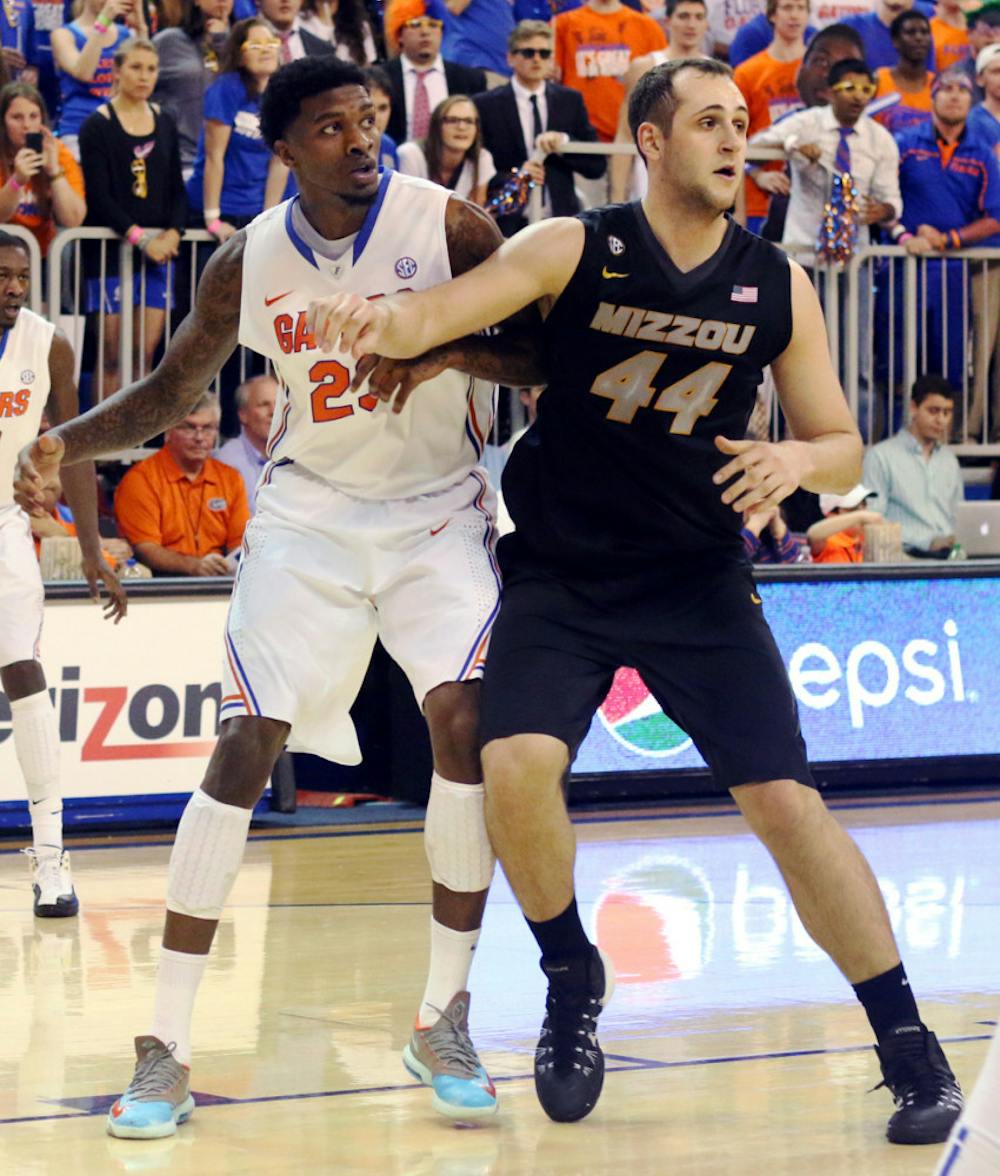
pixel 42 182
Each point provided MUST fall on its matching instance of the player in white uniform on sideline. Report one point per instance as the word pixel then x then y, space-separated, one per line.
pixel 973 1149
pixel 370 520
pixel 36 369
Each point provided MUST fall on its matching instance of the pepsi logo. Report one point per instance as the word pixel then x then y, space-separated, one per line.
pixel 406 267
pixel 633 718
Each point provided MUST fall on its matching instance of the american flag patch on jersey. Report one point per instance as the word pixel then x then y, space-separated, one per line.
pixel 743 294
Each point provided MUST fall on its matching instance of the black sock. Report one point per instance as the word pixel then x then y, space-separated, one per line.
pixel 888 1001
pixel 562 936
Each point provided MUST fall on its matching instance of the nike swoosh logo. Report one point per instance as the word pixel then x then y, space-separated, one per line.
pixel 755 598
pixel 276 298
pixel 606 273
pixel 438 530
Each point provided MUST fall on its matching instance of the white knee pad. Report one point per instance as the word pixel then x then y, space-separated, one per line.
pixel 457 846
pixel 206 856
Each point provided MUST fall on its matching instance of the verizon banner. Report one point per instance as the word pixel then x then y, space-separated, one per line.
pixel 137 703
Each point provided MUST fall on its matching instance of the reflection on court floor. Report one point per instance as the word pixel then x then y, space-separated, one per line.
pixel 725 1011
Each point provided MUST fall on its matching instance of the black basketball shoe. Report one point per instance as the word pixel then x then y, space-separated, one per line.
pixel 569 1064
pixel 927 1094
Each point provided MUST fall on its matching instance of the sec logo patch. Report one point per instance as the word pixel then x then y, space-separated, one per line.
pixel 616 245
pixel 27 376
pixel 406 267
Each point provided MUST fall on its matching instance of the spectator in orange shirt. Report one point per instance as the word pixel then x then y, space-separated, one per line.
pixel 594 46
pixel 951 34
pixel 839 537
pixel 768 83
pixel 41 190
pixel 909 78
pixel 183 511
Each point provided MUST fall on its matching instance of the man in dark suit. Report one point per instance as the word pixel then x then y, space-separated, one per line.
pixel 525 122
pixel 296 42
pixel 421 78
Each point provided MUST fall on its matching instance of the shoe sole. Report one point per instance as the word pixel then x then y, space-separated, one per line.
pixel 919 1138
pixel 419 1071
pixel 51 911
pixel 182 1112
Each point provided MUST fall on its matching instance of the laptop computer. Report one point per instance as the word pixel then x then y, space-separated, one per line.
pixel 977 527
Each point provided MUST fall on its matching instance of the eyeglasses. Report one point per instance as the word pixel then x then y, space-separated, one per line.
pixel 544 54
pixel 195 430
pixel 261 46
pixel 456 120
pixel 423 22
pixel 862 89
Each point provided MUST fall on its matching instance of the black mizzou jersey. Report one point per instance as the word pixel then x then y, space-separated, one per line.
pixel 648 365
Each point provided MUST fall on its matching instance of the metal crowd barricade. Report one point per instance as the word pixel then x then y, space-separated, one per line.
pixel 67 288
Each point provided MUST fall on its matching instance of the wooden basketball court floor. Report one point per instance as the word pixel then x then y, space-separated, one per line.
pixel 732 1044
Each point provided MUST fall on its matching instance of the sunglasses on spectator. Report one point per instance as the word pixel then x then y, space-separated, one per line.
pixel 862 89
pixel 544 54
pixel 423 22
pixel 261 46
pixel 458 120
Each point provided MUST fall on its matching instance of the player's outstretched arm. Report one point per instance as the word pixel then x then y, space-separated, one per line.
pixel 80 482
pixel 825 455
pixel 201 345
pixel 537 263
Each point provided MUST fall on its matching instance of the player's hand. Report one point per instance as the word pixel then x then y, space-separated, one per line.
pixel 347 322
pixel 36 475
pixel 765 473
pixel 213 565
pixel 392 380
pixel 95 569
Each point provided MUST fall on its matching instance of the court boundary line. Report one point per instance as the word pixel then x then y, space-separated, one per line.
pixel 633 1065
pixel 577 819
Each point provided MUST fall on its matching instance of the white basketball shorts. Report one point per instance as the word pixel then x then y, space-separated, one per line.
pixel 323 574
pixel 21 593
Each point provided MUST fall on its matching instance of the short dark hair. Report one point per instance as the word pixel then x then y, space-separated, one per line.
pixel 654 98
pixel 673 4
pixel 10 241
pixel 988 15
pixel 850 65
pixel 834 32
pixel 377 79
pixel 896 28
pixel 931 384
pixel 297 81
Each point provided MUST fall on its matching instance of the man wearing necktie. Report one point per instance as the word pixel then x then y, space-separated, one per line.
pixel 421 78
pixel 526 122
pixel 296 42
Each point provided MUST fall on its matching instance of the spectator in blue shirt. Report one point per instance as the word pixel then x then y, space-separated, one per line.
pixel 476 32
pixel 984 117
pixel 755 36
pixel 874 29
pixel 235 175
pixel 949 180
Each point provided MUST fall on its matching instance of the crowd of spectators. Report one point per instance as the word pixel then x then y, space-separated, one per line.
pixel 142 116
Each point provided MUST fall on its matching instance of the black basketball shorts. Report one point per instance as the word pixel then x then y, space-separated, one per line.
pixel 696 633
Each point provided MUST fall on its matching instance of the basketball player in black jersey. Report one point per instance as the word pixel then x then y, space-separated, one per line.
pixel 627 495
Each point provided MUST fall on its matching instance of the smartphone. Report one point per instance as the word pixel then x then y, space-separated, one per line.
pixel 33 141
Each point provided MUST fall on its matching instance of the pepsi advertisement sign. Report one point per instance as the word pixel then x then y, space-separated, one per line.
pixel 882 669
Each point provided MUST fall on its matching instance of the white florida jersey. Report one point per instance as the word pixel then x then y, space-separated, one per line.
pixel 351 439
pixel 24 390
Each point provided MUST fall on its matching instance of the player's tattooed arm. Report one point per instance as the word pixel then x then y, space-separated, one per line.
pixel 511 354
pixel 200 346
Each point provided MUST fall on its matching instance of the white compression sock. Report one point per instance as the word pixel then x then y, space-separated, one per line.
pixel 176 987
pixel 36 744
pixel 974 1146
pixel 451 962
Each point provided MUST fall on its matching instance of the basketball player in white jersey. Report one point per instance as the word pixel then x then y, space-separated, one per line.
pixel 687 27
pixel 974 1146
pixel 36 370
pixel 368 521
